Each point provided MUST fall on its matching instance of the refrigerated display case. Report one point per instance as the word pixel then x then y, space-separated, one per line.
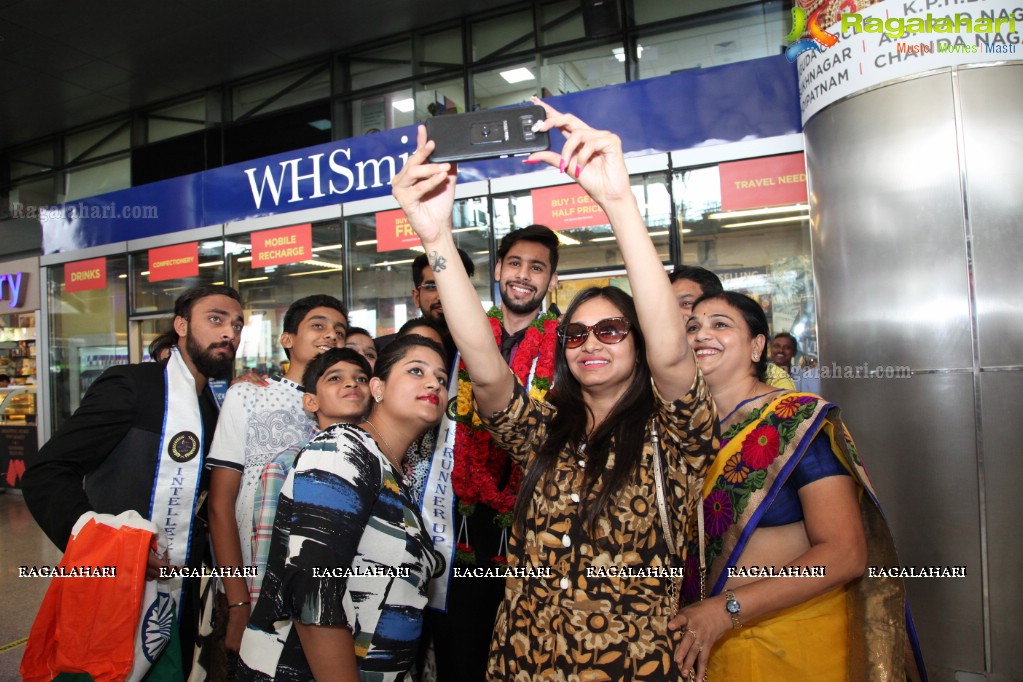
pixel 18 438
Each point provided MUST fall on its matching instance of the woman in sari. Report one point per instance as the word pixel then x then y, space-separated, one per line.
pixel 790 525
pixel 623 404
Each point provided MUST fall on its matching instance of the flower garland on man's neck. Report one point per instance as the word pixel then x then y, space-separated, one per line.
pixel 479 464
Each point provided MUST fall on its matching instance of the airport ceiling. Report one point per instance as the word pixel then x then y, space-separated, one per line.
pixel 64 63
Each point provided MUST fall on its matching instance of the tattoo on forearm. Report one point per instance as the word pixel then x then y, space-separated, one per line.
pixel 437 261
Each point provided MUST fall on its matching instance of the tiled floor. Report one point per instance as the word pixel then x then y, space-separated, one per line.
pixel 22 543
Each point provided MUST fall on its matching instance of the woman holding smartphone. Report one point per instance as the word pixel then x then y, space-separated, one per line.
pixel 622 402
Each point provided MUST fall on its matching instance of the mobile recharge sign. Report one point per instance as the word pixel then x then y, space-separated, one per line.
pixel 283 245
pixel 891 40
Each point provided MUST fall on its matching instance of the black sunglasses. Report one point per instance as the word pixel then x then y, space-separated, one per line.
pixel 609 330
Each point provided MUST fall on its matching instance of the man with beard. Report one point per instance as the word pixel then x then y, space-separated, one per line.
pixel 138 442
pixel 527 260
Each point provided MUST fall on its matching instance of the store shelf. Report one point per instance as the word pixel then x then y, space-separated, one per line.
pixel 18 354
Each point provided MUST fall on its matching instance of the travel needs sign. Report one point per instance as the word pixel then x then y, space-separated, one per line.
pixel 768 181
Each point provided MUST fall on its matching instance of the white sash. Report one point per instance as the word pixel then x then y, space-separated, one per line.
pixel 172 504
pixel 438 499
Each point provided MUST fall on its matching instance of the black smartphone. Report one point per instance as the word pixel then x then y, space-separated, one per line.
pixel 487 134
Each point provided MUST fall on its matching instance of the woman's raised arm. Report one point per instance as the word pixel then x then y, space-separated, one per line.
pixel 426 192
pixel 594 158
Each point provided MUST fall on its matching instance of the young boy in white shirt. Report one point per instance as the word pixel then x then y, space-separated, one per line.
pixel 336 391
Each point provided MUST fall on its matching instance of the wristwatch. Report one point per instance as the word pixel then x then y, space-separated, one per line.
pixel 733 608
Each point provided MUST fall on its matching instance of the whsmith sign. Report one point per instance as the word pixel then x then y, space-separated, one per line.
pixel 746 100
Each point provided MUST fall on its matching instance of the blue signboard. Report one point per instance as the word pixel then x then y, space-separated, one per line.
pixel 742 101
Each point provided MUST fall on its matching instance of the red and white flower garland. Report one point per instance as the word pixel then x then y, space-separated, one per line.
pixel 479 463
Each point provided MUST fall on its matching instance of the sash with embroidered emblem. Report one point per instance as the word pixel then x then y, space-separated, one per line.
pixel 172 507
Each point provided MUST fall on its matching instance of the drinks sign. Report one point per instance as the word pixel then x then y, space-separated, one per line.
pixel 85 275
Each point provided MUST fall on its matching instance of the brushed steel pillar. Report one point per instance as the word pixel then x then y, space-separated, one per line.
pixel 917 234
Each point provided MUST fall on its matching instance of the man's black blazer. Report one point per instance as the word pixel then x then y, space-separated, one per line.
pixel 104 457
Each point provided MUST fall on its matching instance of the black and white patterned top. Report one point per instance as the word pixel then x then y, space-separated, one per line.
pixel 348 549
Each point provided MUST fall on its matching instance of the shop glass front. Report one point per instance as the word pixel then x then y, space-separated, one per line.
pixel 19 372
pixel 380 255
pixel 88 327
pixel 758 244
pixel 268 290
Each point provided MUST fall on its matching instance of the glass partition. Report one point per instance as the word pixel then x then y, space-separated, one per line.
pixel 440 50
pixel 383 112
pixel 728 36
pixel 88 334
pixel 381 280
pixel 595 67
pixel 268 291
pixel 506 85
pixel 379 65
pixel 761 251
pixel 653 11
pixel 561 21
pixel 503 35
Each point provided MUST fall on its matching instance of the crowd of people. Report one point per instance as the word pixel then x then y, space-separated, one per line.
pixel 619 492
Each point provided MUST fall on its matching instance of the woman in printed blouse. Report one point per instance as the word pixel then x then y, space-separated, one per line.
pixel 787 492
pixel 586 512
pixel 350 560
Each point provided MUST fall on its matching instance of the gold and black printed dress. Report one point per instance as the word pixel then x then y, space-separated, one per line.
pixel 575 627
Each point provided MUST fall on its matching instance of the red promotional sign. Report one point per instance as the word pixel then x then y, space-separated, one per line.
pixel 172 262
pixel 283 245
pixel 770 181
pixel 566 206
pixel 85 275
pixel 394 232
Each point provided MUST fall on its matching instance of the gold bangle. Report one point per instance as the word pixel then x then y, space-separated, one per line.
pixel 241 603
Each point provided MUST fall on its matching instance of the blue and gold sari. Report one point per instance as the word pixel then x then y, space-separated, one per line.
pixel 859 631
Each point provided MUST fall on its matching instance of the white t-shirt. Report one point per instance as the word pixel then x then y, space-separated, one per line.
pixel 256 423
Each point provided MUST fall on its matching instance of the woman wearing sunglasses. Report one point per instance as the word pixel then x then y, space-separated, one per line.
pixel 597 597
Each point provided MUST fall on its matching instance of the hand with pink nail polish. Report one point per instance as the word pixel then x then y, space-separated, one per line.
pixel 593 157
